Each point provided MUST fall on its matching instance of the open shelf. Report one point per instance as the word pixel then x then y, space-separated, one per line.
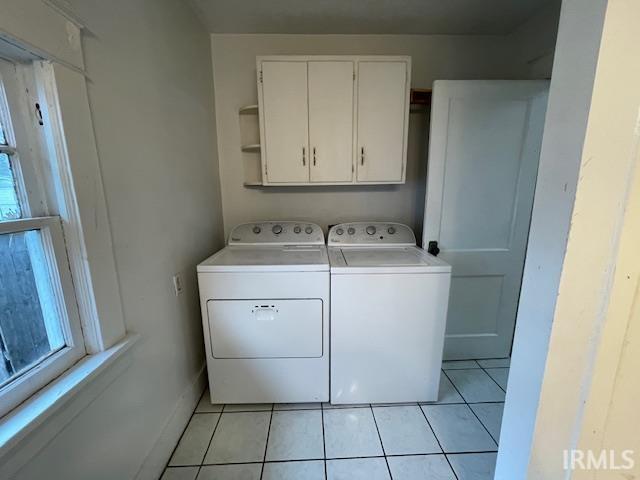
pixel 250 145
pixel 248 110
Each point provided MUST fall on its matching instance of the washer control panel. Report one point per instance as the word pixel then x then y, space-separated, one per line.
pixel 277 233
pixel 371 233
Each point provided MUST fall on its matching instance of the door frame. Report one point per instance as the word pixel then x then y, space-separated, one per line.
pixel 552 369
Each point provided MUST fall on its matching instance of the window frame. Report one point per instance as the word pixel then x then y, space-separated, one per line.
pixel 24 146
pixel 27 159
pixel 49 35
pixel 43 372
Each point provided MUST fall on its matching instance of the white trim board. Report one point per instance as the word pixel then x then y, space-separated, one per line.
pixel 31 426
pixel 72 148
pixel 158 457
pixel 43 30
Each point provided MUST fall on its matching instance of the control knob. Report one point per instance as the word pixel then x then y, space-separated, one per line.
pixel 351 230
pixel 256 229
pixel 308 230
pixel 339 231
pixel 277 229
pixel 371 230
pixel 297 229
pixel 391 230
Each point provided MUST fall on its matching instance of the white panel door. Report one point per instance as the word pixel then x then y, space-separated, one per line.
pixel 331 121
pixel 285 122
pixel 483 159
pixel 382 121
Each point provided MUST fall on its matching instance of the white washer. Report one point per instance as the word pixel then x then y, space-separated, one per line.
pixel 265 315
pixel 389 303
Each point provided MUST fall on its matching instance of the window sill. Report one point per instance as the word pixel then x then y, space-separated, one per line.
pixel 25 419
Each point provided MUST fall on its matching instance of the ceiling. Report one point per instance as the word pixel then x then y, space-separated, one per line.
pixel 462 17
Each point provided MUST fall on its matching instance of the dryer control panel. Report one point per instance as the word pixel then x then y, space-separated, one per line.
pixel 277 233
pixel 371 233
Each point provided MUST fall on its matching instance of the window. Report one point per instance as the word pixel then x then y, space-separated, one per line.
pixel 40 334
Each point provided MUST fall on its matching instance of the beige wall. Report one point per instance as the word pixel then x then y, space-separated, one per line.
pixel 151 97
pixel 433 57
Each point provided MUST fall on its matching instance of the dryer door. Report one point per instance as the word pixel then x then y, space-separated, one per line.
pixel 265 328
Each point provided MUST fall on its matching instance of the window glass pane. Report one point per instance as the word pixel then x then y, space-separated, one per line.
pixel 30 327
pixel 9 206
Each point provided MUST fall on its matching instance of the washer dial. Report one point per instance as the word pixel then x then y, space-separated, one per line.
pixel 371 230
pixel 277 229
pixel 256 229
pixel 309 230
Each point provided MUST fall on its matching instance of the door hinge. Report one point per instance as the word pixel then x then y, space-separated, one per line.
pixel 354 75
pixel 260 76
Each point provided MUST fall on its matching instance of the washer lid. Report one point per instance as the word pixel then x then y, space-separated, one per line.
pixel 385 260
pixel 288 258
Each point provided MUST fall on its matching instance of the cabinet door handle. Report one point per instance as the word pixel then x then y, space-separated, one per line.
pixel 361 155
pixel 314 156
pixel 304 157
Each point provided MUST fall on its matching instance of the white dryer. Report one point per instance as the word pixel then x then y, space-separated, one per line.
pixel 389 303
pixel 265 315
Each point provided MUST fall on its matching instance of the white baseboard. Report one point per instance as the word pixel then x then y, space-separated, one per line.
pixel 159 454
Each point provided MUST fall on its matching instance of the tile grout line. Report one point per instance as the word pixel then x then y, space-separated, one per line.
pixel 381 444
pixel 483 426
pixel 299 460
pixel 183 432
pixel 438 440
pixel 474 413
pixel 266 444
pixel 324 444
pixel 494 380
pixel 212 435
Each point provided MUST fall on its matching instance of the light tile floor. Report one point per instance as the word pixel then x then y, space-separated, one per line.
pixel 455 438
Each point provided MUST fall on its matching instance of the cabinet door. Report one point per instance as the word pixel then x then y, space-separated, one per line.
pixel 285 132
pixel 382 119
pixel 331 121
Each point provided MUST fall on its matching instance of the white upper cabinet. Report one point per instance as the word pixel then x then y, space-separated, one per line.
pixel 330 120
pixel 382 121
pixel 285 122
